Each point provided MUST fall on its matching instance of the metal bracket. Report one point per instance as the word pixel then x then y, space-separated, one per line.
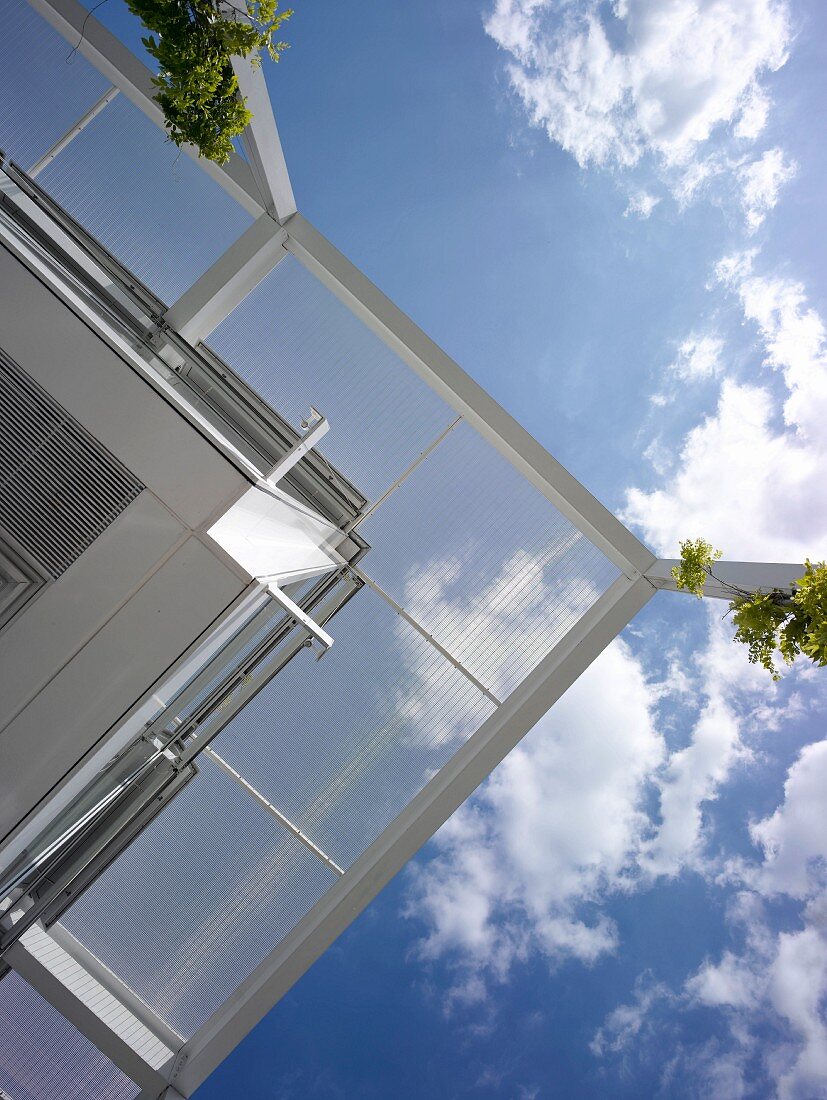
pixel 314 427
pixel 301 617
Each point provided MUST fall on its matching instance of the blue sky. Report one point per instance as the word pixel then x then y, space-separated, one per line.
pixel 612 215
pixel 519 178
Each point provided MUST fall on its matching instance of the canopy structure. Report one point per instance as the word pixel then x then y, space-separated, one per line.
pixel 484 579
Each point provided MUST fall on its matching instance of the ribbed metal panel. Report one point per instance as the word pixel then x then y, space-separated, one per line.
pixel 59 487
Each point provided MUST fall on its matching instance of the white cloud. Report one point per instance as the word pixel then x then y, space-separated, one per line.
pixel 754 488
pixel 611 83
pixel 692 778
pixel 782 977
pixel 795 340
pixel 761 182
pixel 754 114
pixel 641 205
pixel 699 357
pixel 751 486
pixel 794 838
pixel 771 991
pixel 623 1026
pixel 557 825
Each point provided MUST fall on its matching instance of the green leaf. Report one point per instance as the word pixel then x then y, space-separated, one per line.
pixel 193 43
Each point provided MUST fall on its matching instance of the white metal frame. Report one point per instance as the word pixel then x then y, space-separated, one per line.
pixel 749 576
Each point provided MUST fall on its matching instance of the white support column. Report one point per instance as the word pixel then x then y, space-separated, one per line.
pixel 747 575
pixel 120 66
pixel 202 308
pixel 412 828
pixel 466 397
pixel 262 143
pixel 70 135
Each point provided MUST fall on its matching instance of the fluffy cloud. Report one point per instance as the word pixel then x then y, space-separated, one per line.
pixel 770 992
pixel 755 488
pixel 692 778
pixel 794 838
pixel 609 83
pixel 624 1025
pixel 780 978
pixel 558 825
pixel 750 485
pixel 761 183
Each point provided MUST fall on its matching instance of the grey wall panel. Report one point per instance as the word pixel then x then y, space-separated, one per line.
pixel 111 400
pixel 111 672
pixel 47 636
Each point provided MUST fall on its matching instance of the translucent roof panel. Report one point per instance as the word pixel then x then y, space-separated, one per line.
pixel 198 900
pixel 149 203
pixel 487 576
pixel 44 1057
pixel 341 746
pixel 297 345
pixel 482 560
pixel 46 85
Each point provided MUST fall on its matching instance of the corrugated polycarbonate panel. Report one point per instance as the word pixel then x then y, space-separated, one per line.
pixel 44 1057
pixel 199 899
pixel 46 86
pixel 297 345
pixel 483 561
pixel 342 745
pixel 150 204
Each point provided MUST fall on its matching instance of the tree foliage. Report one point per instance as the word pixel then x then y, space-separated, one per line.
pixel 193 42
pixel 697 558
pixel 791 622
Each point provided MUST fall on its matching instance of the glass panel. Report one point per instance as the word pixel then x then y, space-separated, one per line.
pixel 150 204
pixel 47 87
pixel 297 345
pixel 342 745
pixel 483 561
pixel 44 1057
pixel 199 899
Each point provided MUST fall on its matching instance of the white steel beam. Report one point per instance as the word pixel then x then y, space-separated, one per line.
pixel 70 135
pixel 466 397
pixel 262 143
pixel 448 789
pixel 120 66
pixel 746 575
pixel 202 308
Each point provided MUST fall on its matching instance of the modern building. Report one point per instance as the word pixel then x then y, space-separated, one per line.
pixel 279 583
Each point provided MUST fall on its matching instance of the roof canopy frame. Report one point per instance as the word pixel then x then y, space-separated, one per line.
pixel 262 187
pixel 412 828
pixel 265 188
